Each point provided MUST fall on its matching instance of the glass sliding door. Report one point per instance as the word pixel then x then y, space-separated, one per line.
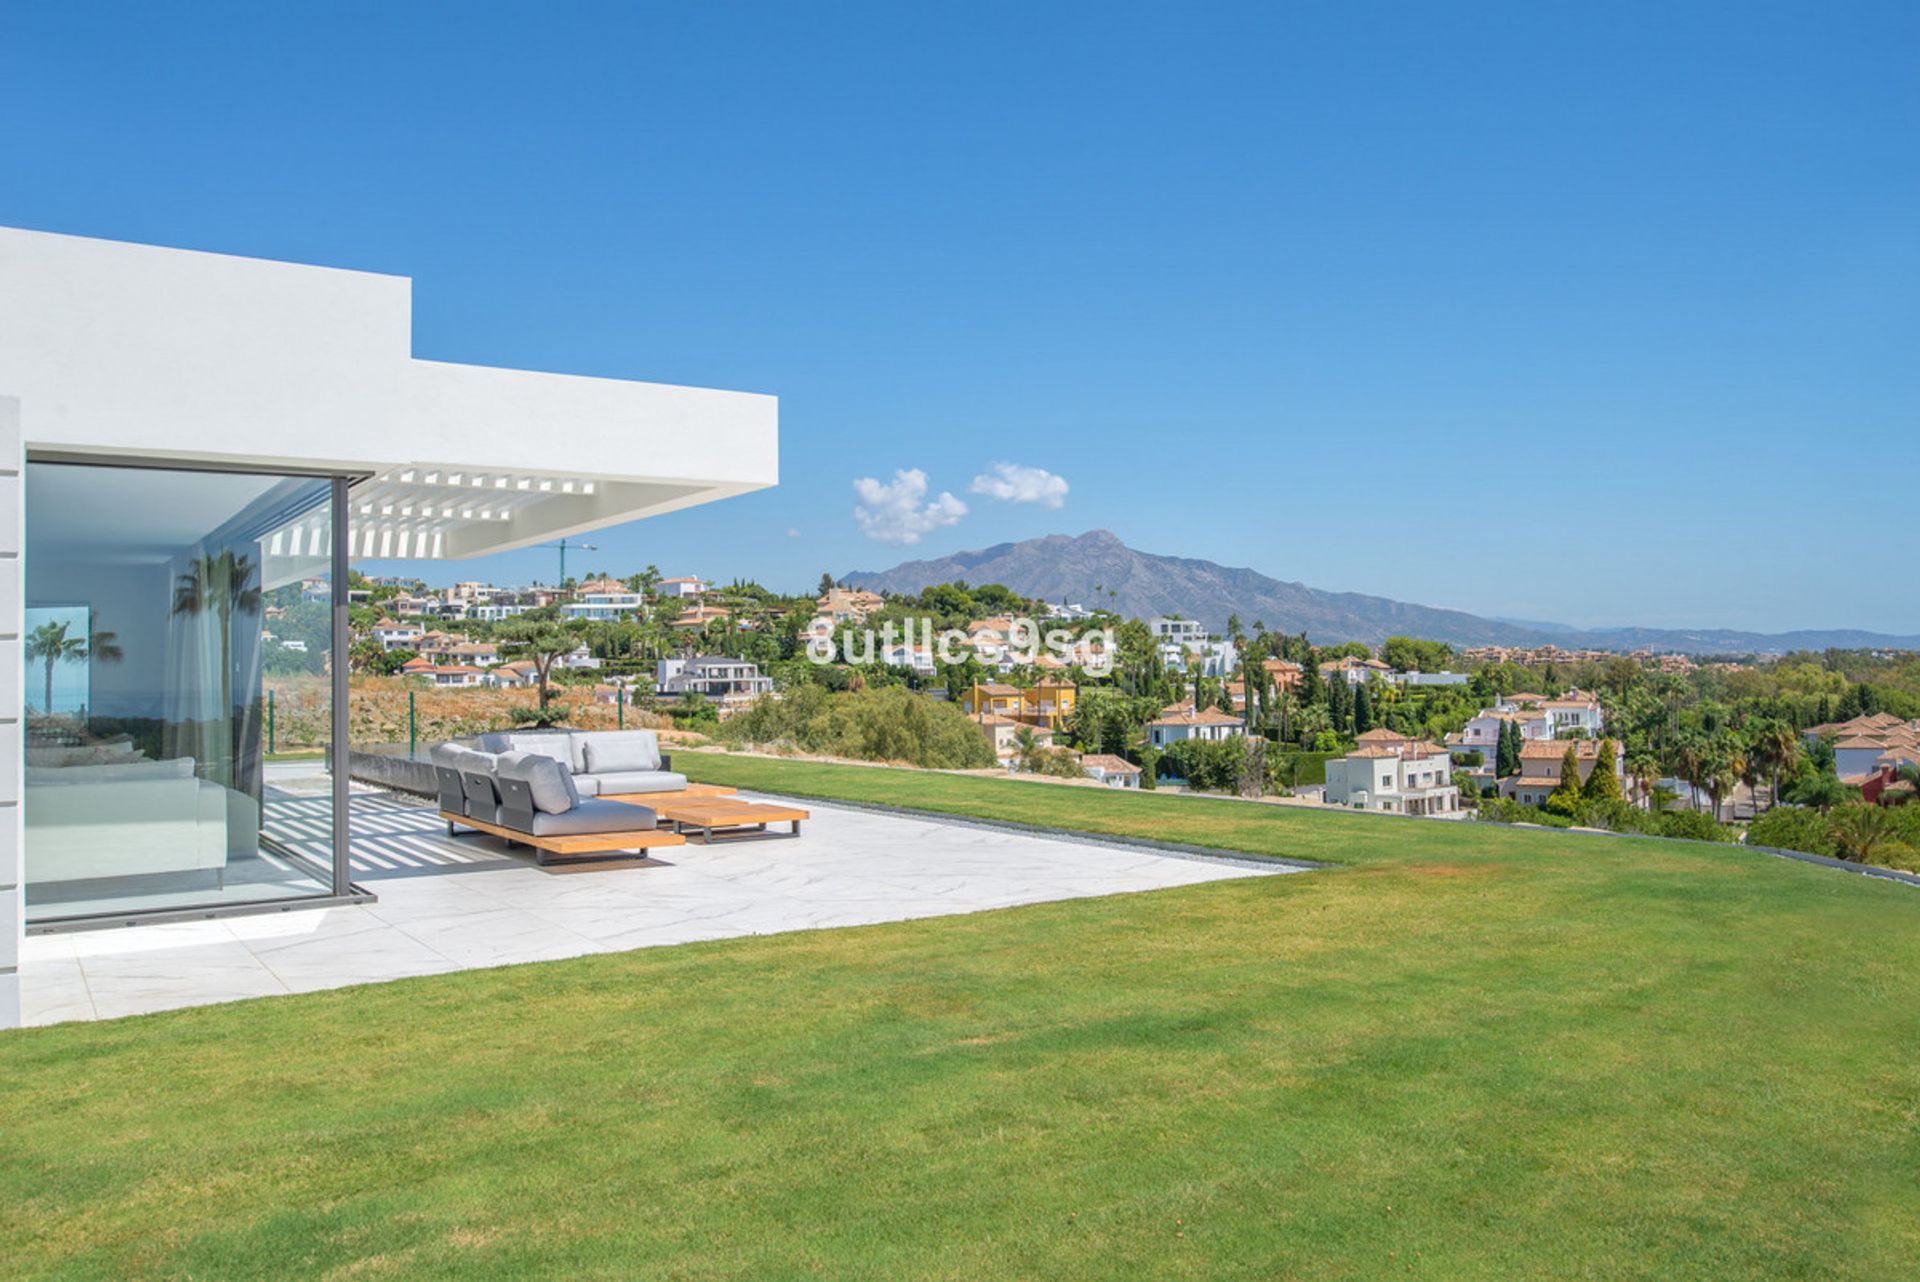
pixel 175 620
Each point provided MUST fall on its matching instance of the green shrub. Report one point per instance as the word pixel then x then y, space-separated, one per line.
pixel 1214 765
pixel 891 723
pixel 1300 769
pixel 1692 825
pixel 1793 828
pixel 1061 764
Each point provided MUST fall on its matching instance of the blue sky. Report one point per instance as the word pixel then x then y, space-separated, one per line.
pixel 1605 316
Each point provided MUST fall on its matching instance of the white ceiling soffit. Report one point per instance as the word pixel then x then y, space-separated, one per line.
pixel 436 513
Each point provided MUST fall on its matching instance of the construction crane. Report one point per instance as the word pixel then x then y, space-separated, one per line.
pixel 562 547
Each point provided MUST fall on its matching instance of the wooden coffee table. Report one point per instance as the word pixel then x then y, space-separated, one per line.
pixel 722 818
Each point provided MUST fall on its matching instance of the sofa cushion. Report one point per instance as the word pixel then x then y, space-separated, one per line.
pixel 460 757
pixel 586 785
pixel 549 780
pixel 639 781
pixel 482 797
pixel 105 753
pixel 613 751
pixel 557 746
pixel 135 770
pixel 577 751
pixel 593 817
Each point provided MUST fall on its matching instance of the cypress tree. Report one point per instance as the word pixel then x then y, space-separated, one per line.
pixel 1603 784
pixel 1566 794
pixel 1340 702
pixel 1362 710
pixel 1506 754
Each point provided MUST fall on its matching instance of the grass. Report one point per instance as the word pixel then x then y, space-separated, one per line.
pixel 1468 1053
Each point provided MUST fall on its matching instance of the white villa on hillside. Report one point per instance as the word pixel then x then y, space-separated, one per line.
pixel 1540 764
pixel 1418 678
pixel 185 426
pixel 1356 670
pixel 1181 722
pixel 1114 772
pixel 394 635
pixel 849 605
pixel 1179 640
pixel 720 679
pixel 1575 710
pixel 604 604
pixel 1411 778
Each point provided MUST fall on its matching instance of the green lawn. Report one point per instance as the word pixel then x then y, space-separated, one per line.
pixel 1468 1053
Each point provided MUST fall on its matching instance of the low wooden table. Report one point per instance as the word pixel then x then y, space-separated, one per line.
pixel 720 818
pixel 690 792
pixel 573 847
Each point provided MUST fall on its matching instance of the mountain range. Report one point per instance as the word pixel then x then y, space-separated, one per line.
pixel 1098 570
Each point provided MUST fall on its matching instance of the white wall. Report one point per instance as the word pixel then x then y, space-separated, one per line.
pixel 12 896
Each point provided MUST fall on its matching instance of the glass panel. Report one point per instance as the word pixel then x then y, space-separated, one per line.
pixel 177 622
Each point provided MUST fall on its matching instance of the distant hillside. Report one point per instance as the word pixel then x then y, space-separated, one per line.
pixel 1097 569
pixel 1061 568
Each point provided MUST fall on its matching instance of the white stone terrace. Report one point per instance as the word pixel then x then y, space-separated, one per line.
pixel 449 904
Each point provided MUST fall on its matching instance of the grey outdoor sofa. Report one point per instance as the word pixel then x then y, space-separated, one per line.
pixel 528 789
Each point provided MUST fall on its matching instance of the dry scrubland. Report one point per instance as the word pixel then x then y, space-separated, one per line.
pixel 378 711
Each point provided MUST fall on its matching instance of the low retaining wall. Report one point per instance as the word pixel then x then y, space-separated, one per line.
pixel 391 767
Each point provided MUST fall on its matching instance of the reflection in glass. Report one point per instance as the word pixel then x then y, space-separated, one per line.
pixel 160 605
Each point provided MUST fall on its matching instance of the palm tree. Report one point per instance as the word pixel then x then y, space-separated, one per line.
pixel 225 584
pixel 1775 748
pixel 1026 749
pixel 1645 769
pixel 1686 757
pixel 49 644
pixel 1724 763
pixel 1861 832
pixel 1823 791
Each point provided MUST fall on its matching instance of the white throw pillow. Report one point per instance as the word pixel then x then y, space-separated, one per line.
pixel 614 751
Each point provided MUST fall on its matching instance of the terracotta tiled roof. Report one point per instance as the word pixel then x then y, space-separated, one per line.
pixel 1352 661
pixel 1110 763
pixel 1414 750
pixel 1554 749
pixel 1184 715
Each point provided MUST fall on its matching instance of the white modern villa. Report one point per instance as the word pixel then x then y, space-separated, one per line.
pixel 184 431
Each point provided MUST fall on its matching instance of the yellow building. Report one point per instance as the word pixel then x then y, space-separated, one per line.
pixel 1046 704
pixel 994 698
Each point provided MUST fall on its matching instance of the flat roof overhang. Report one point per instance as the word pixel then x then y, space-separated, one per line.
pixel 132 352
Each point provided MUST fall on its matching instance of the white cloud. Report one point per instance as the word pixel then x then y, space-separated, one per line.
pixel 793 534
pixel 899 512
pixel 1012 483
